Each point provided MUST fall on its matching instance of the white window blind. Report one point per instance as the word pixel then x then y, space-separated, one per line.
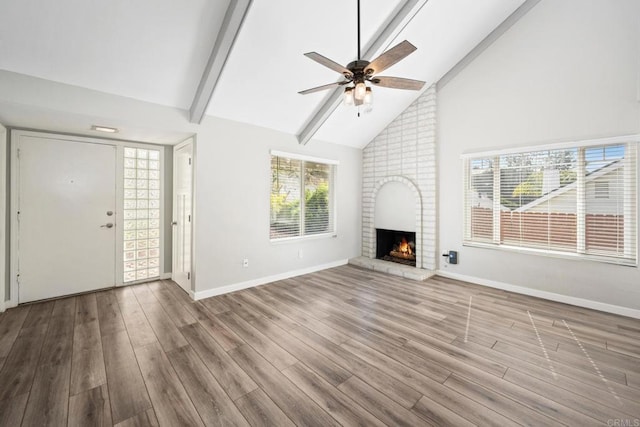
pixel 301 197
pixel 579 200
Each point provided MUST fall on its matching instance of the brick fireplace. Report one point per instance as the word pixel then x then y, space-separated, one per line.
pixel 404 153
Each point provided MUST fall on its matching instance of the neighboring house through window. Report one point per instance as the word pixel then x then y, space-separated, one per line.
pixel 601 189
pixel 578 200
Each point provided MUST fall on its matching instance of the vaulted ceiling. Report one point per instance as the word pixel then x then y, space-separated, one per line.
pixel 157 51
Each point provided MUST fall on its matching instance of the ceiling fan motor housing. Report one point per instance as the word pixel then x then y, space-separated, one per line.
pixel 359 69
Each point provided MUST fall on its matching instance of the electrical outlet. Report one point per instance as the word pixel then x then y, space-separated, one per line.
pixel 451 256
pixel 245 262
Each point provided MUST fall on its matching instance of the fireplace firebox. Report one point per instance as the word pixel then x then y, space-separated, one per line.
pixel 396 246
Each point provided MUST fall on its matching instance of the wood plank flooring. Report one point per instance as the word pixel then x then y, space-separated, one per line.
pixel 343 346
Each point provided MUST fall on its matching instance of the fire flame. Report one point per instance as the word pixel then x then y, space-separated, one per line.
pixel 404 247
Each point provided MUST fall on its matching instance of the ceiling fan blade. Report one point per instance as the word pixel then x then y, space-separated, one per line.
pixel 392 56
pixel 328 63
pixel 323 87
pixel 397 83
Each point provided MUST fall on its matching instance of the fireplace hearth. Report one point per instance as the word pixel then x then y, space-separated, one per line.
pixel 396 246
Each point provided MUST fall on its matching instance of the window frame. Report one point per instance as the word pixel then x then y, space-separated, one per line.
pixel 332 197
pixel 630 141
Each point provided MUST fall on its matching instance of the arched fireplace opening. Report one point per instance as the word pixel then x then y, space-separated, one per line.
pixel 397 212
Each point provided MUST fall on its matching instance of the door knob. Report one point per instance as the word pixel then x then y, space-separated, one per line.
pixel 109 213
pixel 107 225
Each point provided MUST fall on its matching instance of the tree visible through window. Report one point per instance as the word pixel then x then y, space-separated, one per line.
pixel 301 199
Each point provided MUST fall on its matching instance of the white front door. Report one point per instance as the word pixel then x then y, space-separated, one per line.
pixel 182 214
pixel 67 222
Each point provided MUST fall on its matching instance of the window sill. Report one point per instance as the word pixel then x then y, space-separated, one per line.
pixel 554 254
pixel 281 240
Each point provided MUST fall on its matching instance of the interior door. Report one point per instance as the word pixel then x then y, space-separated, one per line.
pixel 66 205
pixel 182 214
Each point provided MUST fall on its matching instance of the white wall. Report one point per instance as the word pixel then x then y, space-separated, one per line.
pixel 233 183
pixel 568 70
pixel 232 174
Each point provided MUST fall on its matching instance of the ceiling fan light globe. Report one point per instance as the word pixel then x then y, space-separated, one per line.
pixel 361 91
pixel 368 97
pixel 348 96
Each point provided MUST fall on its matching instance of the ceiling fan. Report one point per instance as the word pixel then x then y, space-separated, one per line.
pixel 357 73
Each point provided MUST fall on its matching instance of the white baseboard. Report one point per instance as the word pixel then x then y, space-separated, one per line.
pixel 580 302
pixel 165 276
pixel 264 280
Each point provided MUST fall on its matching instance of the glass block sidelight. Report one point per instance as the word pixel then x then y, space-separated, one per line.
pixel 141 214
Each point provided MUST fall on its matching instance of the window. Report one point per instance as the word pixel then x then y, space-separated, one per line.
pixel 578 200
pixel 302 202
pixel 141 214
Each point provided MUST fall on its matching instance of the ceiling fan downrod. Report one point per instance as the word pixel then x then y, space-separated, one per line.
pixel 358 30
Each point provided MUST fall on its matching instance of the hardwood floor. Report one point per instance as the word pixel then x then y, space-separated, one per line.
pixel 342 346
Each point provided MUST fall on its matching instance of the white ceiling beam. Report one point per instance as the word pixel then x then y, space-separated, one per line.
pixel 233 19
pixel 389 30
pixel 487 41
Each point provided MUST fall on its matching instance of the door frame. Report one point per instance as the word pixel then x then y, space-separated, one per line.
pixel 14 186
pixel 192 281
pixel 3 213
